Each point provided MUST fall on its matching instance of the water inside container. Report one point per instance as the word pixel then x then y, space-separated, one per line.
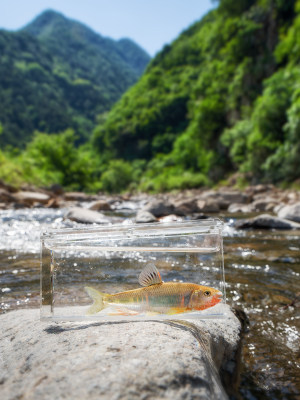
pixel 187 256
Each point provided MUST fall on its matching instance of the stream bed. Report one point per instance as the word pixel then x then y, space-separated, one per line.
pixel 262 278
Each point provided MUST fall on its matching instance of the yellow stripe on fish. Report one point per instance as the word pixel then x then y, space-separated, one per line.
pixel 156 296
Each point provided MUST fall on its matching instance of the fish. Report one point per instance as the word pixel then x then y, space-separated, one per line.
pixel 155 297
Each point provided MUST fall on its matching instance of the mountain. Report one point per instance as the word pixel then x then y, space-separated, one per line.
pixel 223 97
pixel 57 73
pixel 84 54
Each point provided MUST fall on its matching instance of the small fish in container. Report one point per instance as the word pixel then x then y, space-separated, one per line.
pixel 133 272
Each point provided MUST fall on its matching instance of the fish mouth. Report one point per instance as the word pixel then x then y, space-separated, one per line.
pixel 217 297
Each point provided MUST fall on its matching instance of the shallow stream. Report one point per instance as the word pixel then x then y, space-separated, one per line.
pixel 262 278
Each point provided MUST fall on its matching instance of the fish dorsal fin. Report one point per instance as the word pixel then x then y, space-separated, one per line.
pixel 149 276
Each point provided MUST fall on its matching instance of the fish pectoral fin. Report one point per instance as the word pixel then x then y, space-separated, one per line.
pixel 176 310
pixel 149 276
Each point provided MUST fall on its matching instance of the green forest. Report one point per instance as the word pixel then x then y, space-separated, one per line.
pixel 224 97
pixel 57 74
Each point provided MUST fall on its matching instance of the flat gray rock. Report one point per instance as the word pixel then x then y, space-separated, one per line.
pixel 85 216
pixel 31 197
pixel 143 217
pixel 266 221
pixel 291 212
pixel 123 360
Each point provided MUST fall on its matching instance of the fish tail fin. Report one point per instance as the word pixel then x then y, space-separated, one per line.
pixel 98 298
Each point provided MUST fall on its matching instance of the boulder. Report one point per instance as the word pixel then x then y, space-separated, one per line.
pixel 239 208
pixel 291 212
pixel 266 221
pixel 57 189
pixel 229 197
pixel 143 217
pixel 225 197
pixel 208 206
pixel 261 188
pixel 86 216
pixel 185 207
pixel 29 198
pixel 100 205
pixel 129 360
pixel 5 196
pixel 7 187
pixel 170 218
pixel 159 208
pixel 78 196
pixel 126 205
pixel 264 204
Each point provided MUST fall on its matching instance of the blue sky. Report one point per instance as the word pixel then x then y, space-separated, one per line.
pixel 150 23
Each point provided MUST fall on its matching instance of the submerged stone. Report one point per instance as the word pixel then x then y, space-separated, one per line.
pixel 266 221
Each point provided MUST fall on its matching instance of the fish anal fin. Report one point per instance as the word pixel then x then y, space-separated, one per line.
pixel 176 310
pixel 149 276
pixel 123 311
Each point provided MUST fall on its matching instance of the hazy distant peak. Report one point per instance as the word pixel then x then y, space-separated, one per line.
pixel 43 21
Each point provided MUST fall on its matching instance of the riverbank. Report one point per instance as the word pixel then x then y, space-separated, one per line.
pixel 281 208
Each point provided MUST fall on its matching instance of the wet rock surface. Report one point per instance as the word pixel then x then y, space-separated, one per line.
pixel 266 221
pixel 291 212
pixel 159 208
pixel 143 217
pixel 125 360
pixel 31 197
pixel 85 216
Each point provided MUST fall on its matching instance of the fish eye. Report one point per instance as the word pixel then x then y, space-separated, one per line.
pixel 207 293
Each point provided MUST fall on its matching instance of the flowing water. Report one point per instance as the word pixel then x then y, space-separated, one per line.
pixel 262 277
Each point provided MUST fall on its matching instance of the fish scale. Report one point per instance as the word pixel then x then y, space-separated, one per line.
pixel 163 295
pixel 156 296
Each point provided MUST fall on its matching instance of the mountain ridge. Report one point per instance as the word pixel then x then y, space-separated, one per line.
pixel 80 72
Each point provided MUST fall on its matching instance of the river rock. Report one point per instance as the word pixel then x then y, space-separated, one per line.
pixel 185 206
pixel 5 196
pixel 239 208
pixel 208 206
pixel 264 204
pixel 229 197
pixel 131 360
pixel 100 205
pixel 57 189
pixel 159 208
pixel 29 198
pixel 291 212
pixel 143 217
pixel 86 216
pixel 170 218
pixel 266 221
pixel 225 197
pixel 7 187
pixel 78 196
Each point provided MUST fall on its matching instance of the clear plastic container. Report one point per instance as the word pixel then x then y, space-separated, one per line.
pixel 181 264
